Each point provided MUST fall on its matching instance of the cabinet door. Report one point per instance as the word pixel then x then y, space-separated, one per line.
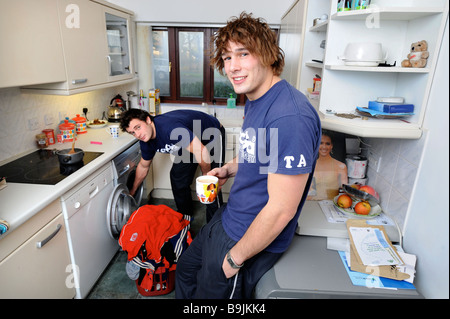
pixel 117 25
pixel 85 52
pixel 32 272
pixel 162 163
pixel 31 43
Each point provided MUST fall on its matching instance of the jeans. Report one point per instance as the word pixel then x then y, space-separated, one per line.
pixel 199 271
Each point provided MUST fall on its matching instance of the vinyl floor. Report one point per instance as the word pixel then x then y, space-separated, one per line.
pixel 115 283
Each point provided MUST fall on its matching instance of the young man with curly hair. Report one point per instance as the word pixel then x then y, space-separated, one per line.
pixel 279 143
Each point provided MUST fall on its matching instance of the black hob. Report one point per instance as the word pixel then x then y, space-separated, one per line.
pixel 42 167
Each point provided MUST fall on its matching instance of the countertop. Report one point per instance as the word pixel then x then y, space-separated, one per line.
pixel 309 270
pixel 19 202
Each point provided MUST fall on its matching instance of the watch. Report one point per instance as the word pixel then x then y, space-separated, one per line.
pixel 232 263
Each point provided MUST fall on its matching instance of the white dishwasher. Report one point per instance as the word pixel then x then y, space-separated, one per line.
pixel 91 246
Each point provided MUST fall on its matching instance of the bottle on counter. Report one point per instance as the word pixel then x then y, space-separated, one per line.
pixel 231 102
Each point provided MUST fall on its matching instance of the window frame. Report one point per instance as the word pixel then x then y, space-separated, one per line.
pixel 208 70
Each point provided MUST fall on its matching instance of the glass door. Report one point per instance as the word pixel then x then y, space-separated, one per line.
pixel 117 31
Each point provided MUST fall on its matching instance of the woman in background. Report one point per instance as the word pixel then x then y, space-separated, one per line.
pixel 330 173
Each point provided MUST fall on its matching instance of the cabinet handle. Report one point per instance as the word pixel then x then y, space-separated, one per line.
pixel 79 81
pixel 41 244
pixel 108 59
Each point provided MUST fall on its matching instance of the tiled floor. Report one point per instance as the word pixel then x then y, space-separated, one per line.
pixel 115 283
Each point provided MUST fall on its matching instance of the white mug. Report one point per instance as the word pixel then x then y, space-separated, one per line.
pixel 113 130
pixel 206 187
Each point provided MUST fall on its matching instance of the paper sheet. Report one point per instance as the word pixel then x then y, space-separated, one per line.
pixel 373 248
pixel 366 280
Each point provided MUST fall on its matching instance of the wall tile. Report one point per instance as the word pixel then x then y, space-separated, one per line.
pixel 396 177
pixel 405 175
pixel 17 108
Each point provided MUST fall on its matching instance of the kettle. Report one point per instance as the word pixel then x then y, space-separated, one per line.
pixel 116 108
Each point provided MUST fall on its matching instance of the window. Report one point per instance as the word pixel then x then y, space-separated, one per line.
pixel 181 64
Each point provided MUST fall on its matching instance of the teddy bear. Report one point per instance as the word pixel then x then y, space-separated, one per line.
pixel 417 58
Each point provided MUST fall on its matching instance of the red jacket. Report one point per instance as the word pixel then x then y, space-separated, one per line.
pixel 154 225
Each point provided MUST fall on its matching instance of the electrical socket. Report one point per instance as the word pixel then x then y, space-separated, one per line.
pixel 374 161
pixel 48 119
pixel 33 124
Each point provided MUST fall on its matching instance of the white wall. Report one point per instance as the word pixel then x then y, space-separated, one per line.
pixel 426 231
pixel 203 11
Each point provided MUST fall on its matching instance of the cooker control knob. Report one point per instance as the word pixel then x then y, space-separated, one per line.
pixel 77 205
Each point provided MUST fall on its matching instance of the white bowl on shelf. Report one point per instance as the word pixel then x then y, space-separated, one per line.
pixel 363 54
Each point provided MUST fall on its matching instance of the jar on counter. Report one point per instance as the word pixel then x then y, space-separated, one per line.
pixel 68 131
pixel 80 124
pixel 41 140
pixel 50 135
pixel 70 122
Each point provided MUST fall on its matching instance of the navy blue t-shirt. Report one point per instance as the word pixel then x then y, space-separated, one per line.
pixel 280 134
pixel 176 129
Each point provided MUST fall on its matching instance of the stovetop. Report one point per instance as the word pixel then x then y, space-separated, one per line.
pixel 42 167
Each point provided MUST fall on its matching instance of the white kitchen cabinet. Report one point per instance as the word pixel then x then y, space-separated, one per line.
pixel 35 260
pixel 118 44
pixel 31 50
pixel 291 35
pixel 394 24
pixel 97 43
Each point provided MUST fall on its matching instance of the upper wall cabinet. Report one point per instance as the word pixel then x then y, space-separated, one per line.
pixel 394 24
pixel 97 44
pixel 31 50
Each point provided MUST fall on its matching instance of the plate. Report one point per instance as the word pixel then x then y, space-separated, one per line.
pixel 374 211
pixel 91 124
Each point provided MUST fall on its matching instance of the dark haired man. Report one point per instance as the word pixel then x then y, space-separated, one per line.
pixel 193 137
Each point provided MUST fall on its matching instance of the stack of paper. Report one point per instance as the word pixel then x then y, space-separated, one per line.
pixel 373 261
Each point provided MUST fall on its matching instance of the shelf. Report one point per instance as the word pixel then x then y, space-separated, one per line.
pixel 320 27
pixel 314 65
pixel 371 127
pixel 342 67
pixel 388 13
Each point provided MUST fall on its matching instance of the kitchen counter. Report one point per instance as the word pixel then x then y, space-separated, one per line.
pixel 308 270
pixel 19 202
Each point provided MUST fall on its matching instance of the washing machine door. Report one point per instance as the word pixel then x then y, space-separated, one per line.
pixel 120 206
pixel 140 190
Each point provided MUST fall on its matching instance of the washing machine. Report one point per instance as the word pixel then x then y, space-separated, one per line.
pixel 121 204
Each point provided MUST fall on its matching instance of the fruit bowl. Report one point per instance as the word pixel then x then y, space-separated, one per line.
pixel 374 211
pixel 360 195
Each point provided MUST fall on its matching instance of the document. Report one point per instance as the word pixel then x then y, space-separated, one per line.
pixel 373 248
